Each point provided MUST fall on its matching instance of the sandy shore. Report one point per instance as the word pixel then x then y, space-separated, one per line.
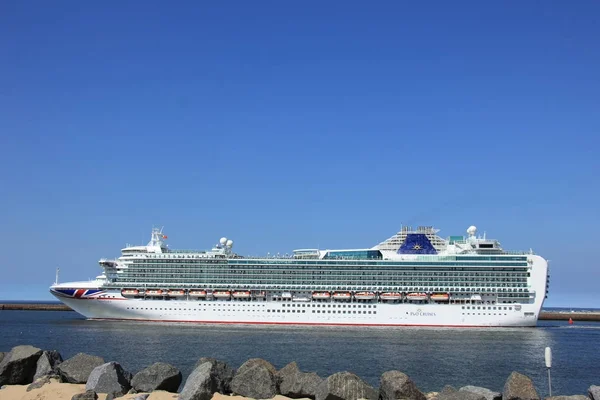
pixel 64 391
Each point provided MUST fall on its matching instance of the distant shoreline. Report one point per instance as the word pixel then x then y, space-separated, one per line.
pixel 550 314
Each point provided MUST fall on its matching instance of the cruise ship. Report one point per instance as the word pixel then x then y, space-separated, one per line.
pixel 414 278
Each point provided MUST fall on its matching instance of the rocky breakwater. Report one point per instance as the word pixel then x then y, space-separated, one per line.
pixel 28 368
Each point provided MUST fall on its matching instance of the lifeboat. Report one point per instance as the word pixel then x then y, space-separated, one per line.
pixel 416 296
pixel 222 294
pixel 342 296
pixel 197 293
pixel 154 292
pixel 130 292
pixel 364 296
pixel 440 297
pixel 321 295
pixel 390 296
pixel 176 292
pixel 241 295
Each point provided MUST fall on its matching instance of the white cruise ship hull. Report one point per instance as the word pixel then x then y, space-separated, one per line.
pixel 296 313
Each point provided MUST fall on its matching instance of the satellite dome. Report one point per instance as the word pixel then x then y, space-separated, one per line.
pixel 223 241
pixel 229 243
pixel 472 229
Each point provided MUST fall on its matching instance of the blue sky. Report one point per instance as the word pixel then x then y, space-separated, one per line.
pixel 285 125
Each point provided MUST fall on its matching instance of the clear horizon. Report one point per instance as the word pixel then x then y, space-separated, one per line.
pixel 285 126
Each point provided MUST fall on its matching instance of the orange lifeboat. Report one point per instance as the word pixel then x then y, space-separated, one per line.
pixel 130 292
pixel 154 292
pixel 321 295
pixel 221 294
pixel 241 295
pixel 364 296
pixel 342 296
pixel 197 293
pixel 440 297
pixel 176 292
pixel 417 296
pixel 390 296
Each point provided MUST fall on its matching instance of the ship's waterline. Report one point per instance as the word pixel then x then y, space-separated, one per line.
pixel 415 278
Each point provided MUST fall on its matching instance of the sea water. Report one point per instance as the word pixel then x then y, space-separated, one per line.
pixel 432 357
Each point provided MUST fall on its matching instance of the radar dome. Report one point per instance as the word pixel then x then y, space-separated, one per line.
pixel 471 231
pixel 223 241
pixel 229 243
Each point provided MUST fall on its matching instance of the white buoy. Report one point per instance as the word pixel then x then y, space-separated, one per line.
pixel 548 357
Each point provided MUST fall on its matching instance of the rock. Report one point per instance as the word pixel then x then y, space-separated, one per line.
pixel 255 378
pixel 109 378
pixel 199 385
pixel 296 384
pixel 396 385
pixel 450 393
pixel 594 392
pixel 142 396
pixel 38 383
pixel 18 366
pixel 2 354
pixel 223 373
pixel 574 397
pixel 77 369
pixel 345 386
pixel 487 393
pixel 432 395
pixel 519 387
pixel 158 376
pixel 87 395
pixel 47 363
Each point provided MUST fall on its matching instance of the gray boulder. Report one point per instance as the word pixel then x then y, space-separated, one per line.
pixel 594 392
pixel 2 354
pixel 450 393
pixel 200 385
pixel 87 395
pixel 487 393
pixel 18 366
pixel 345 386
pixel 47 363
pixel 519 387
pixel 396 385
pixel 296 384
pixel 77 369
pixel 38 383
pixel 255 378
pixel 158 376
pixel 221 371
pixel 109 378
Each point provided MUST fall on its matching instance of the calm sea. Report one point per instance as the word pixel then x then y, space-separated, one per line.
pixel 432 357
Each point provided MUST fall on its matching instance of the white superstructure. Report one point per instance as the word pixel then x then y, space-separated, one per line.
pixel 413 278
